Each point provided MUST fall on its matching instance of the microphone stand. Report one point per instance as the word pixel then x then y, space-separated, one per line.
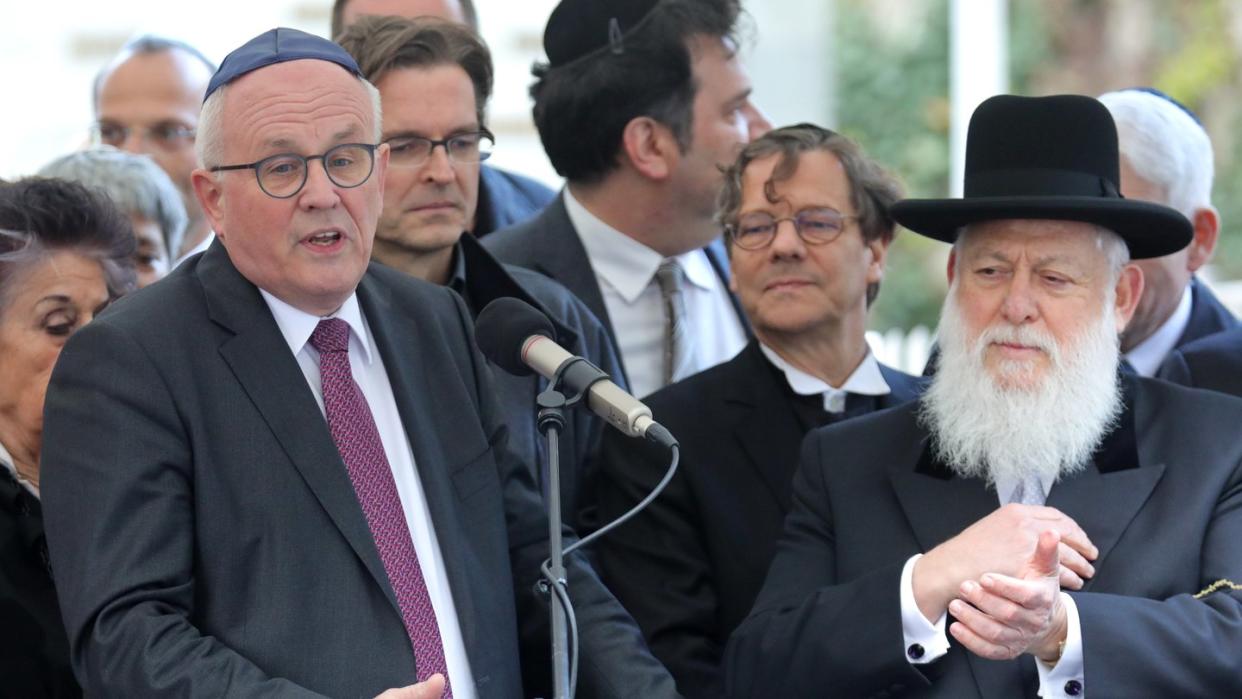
pixel 552 404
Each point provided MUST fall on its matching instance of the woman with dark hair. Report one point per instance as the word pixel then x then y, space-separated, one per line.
pixel 65 253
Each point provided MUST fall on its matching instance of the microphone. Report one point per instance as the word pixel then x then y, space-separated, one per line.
pixel 519 338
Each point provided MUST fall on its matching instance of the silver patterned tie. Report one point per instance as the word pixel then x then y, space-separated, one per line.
pixel 1028 492
pixel 671 279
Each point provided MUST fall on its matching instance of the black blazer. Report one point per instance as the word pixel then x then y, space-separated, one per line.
pixel 1208 315
pixel 1162 501
pixel 1213 362
pixel 34 653
pixel 549 244
pixel 481 279
pixel 689 566
pixel 207 540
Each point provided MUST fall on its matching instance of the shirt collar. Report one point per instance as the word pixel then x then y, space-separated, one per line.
pixel 626 264
pixel 457 274
pixel 865 380
pixel 1147 356
pixel 297 325
pixel 6 460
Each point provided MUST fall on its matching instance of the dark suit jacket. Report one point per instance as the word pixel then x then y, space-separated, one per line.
pixel 549 244
pixel 1213 362
pixel 1162 501
pixel 507 198
pixel 481 279
pixel 34 653
pixel 207 539
pixel 1208 315
pixel 689 566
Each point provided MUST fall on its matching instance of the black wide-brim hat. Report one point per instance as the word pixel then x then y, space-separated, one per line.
pixel 1046 158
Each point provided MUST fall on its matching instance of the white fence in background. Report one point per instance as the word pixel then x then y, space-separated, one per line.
pixel 906 350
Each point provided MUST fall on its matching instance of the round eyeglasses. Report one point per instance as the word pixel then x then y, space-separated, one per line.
pixel 283 175
pixel 413 151
pixel 757 230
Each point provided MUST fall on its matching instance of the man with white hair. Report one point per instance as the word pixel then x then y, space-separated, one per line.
pixel 1077 523
pixel 1166 158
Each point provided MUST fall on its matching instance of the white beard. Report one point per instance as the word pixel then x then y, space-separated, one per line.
pixel 993 428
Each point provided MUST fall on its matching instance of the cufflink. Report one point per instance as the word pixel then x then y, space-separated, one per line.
pixel 915 651
pixel 1073 688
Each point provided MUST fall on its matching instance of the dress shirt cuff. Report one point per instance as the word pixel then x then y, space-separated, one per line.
pixel 1065 678
pixel 925 642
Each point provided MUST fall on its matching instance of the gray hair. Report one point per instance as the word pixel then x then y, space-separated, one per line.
pixel 209 145
pixel 134 183
pixel 1164 145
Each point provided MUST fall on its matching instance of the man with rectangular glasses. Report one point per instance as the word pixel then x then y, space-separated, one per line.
pixel 434 78
pixel 808 229
pixel 504 198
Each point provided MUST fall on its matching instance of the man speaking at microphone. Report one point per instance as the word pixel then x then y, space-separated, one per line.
pixel 284 474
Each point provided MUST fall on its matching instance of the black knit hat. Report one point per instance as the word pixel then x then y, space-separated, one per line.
pixel 1046 158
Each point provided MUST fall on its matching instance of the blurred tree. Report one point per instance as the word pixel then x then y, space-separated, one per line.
pixel 893 71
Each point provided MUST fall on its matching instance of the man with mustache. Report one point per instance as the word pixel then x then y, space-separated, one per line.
pixel 1038 522
pixel 435 78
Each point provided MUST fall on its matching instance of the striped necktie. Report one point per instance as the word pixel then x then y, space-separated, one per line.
pixel 677 352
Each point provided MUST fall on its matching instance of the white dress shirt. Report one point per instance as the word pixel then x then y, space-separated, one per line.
pixel 367 366
pixel 201 247
pixel 865 380
pixel 933 638
pixel 6 460
pixel 1149 354
pixel 625 270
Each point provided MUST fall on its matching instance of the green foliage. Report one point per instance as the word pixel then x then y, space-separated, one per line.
pixel 894 89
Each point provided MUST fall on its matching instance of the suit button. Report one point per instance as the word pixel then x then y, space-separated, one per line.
pixel 1073 688
pixel 915 651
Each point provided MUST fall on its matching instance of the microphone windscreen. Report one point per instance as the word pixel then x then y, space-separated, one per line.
pixel 502 328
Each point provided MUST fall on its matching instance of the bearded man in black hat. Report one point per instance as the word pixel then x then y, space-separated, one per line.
pixel 1039 522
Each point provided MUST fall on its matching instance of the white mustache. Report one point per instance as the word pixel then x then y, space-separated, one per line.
pixel 1025 335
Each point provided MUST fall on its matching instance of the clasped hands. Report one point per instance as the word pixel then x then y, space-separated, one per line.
pixel 1001 579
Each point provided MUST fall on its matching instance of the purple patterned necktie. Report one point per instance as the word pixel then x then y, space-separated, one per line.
pixel 358 440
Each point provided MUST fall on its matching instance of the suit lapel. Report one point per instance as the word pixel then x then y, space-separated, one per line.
pixel 770 434
pixel 937 504
pixel 1105 497
pixel 259 357
pixel 402 337
pixel 562 257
